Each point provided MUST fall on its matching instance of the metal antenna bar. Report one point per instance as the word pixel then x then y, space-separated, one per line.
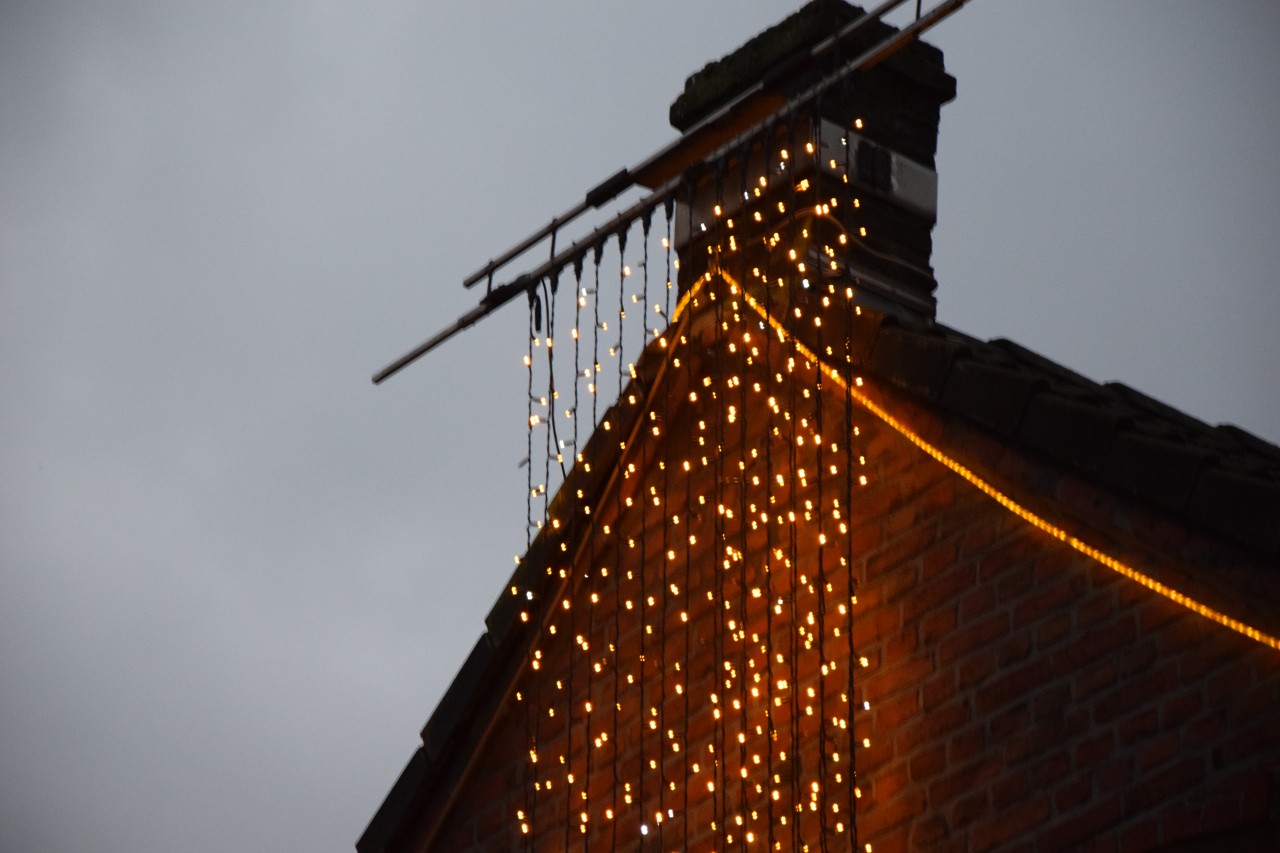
pixel 624 179
pixel 886 48
pixel 499 296
pixel 609 189
pixel 492 300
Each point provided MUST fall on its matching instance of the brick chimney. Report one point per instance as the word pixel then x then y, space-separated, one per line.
pixel 856 161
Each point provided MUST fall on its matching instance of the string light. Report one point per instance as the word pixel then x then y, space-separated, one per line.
pixel 777 620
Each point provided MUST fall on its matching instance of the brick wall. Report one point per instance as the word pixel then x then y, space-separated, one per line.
pixel 1021 696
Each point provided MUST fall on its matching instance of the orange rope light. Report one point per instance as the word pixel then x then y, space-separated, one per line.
pixel 1009 503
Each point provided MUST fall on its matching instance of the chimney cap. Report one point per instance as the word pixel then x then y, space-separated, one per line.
pixel 781 55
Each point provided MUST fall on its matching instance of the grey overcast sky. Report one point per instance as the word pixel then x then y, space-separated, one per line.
pixel 234 576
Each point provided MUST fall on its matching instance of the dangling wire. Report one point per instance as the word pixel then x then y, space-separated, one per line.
pixel 720 540
pixel 667 207
pixel 851 666
pixel 823 583
pixel 578 299
pixel 616 531
pixel 530 723
pixel 686 347
pixel 767 514
pixel 548 294
pixel 530 420
pixel 792 553
pixel 725 259
pixel 594 386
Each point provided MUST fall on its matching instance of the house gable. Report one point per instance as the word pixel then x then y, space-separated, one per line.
pixel 831 574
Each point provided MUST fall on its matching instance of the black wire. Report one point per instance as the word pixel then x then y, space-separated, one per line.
pixel 851 702
pixel 794 659
pixel 573 568
pixel 531 710
pixel 686 343
pixel 768 527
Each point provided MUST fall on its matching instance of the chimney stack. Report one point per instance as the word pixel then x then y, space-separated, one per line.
pixel 852 167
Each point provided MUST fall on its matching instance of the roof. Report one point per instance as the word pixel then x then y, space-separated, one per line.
pixel 1219 480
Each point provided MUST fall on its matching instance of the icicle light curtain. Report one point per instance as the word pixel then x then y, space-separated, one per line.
pixel 693 679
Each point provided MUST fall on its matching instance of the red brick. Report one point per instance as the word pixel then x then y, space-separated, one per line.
pixel 1014 650
pixel 899 809
pixel 965 744
pixel 1220 814
pixel 928 727
pixel 1114 774
pixel 1048 773
pixel 900 551
pixel 1084 824
pixel 1164 785
pixel 974 636
pixel 1094 749
pixel 1008 723
pixel 1108 843
pixel 979 538
pixel 1015 821
pixel 937 624
pixel 937 560
pixel 1136 693
pixel 1159 751
pixel 1012 686
pixel 1013 585
pixel 963 779
pixel 940 590
pixel 1206 658
pixel 1094 609
pixel 938 690
pixel 1050 703
pixel 928 763
pixel 893 712
pixel 1256 795
pixel 927 832
pixel 1144 836
pixel 1053 630
pixel 1093 680
pixel 1052 598
pixel 1158 611
pixel 1011 554
pixel 1139 726
pixel 1097 644
pixel 1181 824
pixel 1241 744
pixel 1135 658
pixel 977 603
pixel 969 809
pixel 1181 708
pixel 1073 793
pixel 899 647
pixel 1182 634
pixel 1233 681
pixel 1034 741
pixel 975 668
pixel 1010 789
pixel 889 680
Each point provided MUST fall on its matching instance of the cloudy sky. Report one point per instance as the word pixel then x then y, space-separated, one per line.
pixel 235 577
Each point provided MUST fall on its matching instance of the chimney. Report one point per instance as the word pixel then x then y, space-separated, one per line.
pixel 850 169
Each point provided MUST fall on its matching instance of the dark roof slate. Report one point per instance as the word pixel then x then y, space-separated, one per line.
pixel 1220 479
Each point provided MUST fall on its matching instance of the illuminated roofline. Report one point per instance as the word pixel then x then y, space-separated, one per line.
pixel 1000 497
